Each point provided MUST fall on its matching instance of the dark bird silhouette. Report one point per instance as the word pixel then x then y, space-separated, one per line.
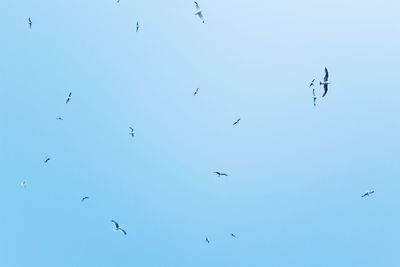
pixel 30 23
pixel 236 122
pixel 69 98
pixel 368 193
pixel 220 174
pixel 132 133
pixel 325 83
pixel 232 235
pixel 84 198
pixel 199 12
pixel 137 26
pixel 46 160
pixel 315 101
pixel 196 92
pixel 207 240
pixel 117 228
pixel 59 118
pixel 312 82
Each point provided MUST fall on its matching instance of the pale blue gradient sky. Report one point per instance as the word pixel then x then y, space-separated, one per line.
pixel 296 172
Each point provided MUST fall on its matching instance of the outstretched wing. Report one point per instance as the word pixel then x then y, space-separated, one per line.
pixel 122 230
pixel 197 5
pixel 131 129
pixel 325 89
pixel 326 75
pixel 115 223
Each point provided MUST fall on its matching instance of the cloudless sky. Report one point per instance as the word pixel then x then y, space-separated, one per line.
pixel 296 172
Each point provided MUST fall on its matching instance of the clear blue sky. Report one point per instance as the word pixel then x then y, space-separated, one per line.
pixel 296 172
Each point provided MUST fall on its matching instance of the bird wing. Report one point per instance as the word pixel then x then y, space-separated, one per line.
pixel 326 75
pixel 197 5
pixel 122 230
pixel 70 94
pixel 325 89
pixel 200 14
pixel 131 129
pixel 115 223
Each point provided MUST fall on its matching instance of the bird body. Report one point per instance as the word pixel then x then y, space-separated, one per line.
pixel 132 133
pixel 196 92
pixel 137 26
pixel 46 160
pixel 233 235
pixel 84 198
pixel 236 122
pixel 117 228
pixel 221 174
pixel 30 23
pixel 59 118
pixel 207 240
pixel 69 98
pixel 23 184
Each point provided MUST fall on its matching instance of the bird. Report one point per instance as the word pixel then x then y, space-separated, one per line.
pixel 69 98
pixel 132 133
pixel 30 23
pixel 84 198
pixel 24 184
pixel 117 228
pixel 59 118
pixel 207 240
pixel 236 122
pixel 137 26
pixel 220 174
pixel 196 92
pixel 315 101
pixel 47 160
pixel 234 236
pixel 325 82
pixel 312 83
pixel 199 12
pixel 368 193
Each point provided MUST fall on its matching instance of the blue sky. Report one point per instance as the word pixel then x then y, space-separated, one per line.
pixel 296 172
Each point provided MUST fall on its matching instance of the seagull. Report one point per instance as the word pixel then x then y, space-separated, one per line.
pixel 325 82
pixel 232 235
pixel 236 122
pixel 132 133
pixel 368 193
pixel 207 240
pixel 30 23
pixel 117 228
pixel 69 98
pixel 312 83
pixel 46 160
pixel 24 184
pixel 84 198
pixel 220 174
pixel 196 92
pixel 137 26
pixel 59 118
pixel 199 12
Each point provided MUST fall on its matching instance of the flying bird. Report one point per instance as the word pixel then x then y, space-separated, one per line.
pixel 24 184
pixel 59 118
pixel 207 240
pixel 132 133
pixel 117 228
pixel 196 92
pixel 137 26
pixel 368 193
pixel 232 235
pixel 312 83
pixel 325 82
pixel 220 174
pixel 315 101
pixel 69 98
pixel 199 12
pixel 236 122
pixel 84 198
pixel 46 160
pixel 30 23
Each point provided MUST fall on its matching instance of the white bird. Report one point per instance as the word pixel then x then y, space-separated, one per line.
pixel 24 184
pixel 199 12
pixel 117 228
pixel 325 82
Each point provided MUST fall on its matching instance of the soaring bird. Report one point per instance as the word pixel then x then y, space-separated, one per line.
pixel 312 83
pixel 84 198
pixel 236 122
pixel 199 12
pixel 132 133
pixel 59 118
pixel 368 193
pixel 69 98
pixel 30 23
pixel 232 235
pixel 207 240
pixel 47 160
pixel 325 82
pixel 220 174
pixel 137 26
pixel 24 184
pixel 117 228
pixel 196 92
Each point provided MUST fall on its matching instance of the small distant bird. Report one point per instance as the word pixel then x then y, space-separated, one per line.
pixel 236 122
pixel 84 198
pixel 117 228
pixel 196 92
pixel 325 82
pixel 69 98
pixel 59 118
pixel 207 240
pixel 220 174
pixel 137 26
pixel 132 133
pixel 315 101
pixel 46 160
pixel 24 184
pixel 30 23
pixel 232 235
pixel 199 12
pixel 312 82
pixel 368 193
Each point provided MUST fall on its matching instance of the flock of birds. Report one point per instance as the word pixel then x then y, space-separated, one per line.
pixel 199 14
